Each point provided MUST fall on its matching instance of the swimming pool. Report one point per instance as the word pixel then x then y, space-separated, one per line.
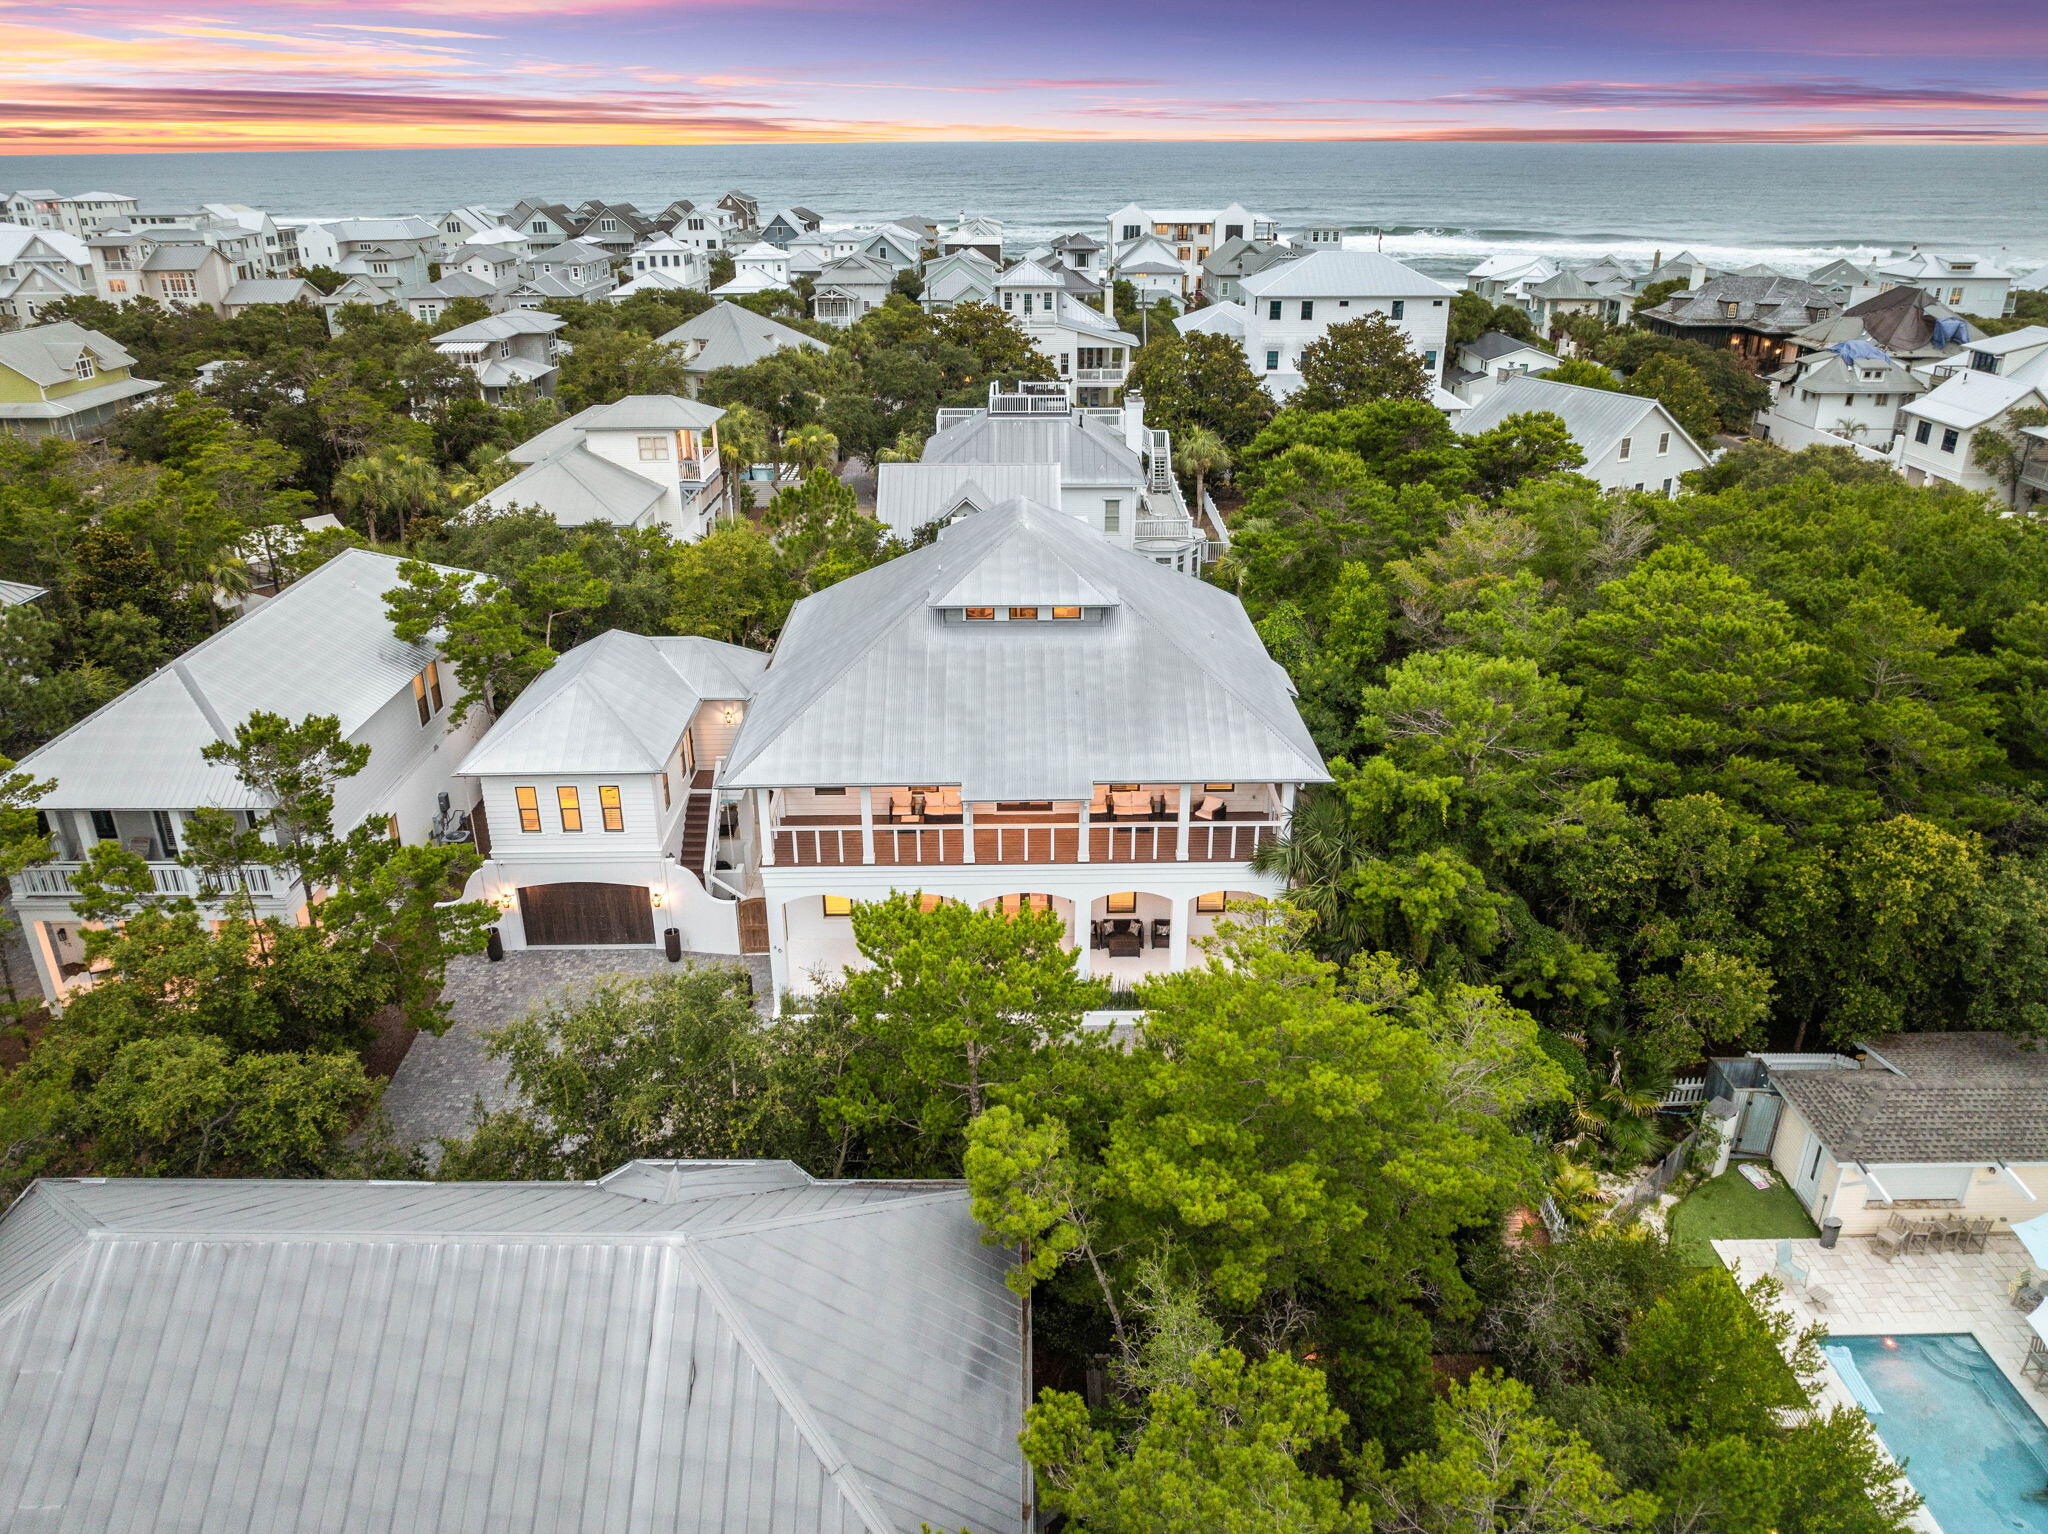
pixel 1974 1450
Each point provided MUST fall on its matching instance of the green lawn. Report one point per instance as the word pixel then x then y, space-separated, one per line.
pixel 1729 1209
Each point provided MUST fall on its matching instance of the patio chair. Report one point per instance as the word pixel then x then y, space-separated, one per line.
pixel 1889 1240
pixel 1208 809
pixel 1162 931
pixel 1790 1268
pixel 1980 1234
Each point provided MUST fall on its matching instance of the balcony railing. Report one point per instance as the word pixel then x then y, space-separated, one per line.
pixel 55 879
pixel 1099 375
pixel 1060 842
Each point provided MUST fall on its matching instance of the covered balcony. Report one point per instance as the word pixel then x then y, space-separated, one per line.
pixel 155 836
pixel 932 824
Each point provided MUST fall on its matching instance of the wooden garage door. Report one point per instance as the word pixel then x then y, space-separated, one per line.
pixel 584 915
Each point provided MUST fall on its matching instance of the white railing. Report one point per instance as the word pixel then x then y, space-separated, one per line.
pixel 1026 844
pixel 1161 452
pixel 1099 375
pixel 1164 530
pixel 55 879
pixel 1230 841
pixel 1144 841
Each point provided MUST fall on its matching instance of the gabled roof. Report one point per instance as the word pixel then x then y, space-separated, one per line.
pixel 872 684
pixel 13 593
pixel 860 271
pixel 1345 274
pixel 616 703
pixel 502 327
pixel 574 486
pixel 270 290
pixel 323 645
pixel 734 336
pixel 1970 398
pixel 648 412
pixel 1596 418
pixel 181 258
pixel 355 231
pixel 679 1345
pixel 451 284
pixel 572 253
pixel 1498 343
pixel 1920 265
pixel 1768 305
pixel 16 241
pixel 1029 274
pixel 48 354
pixel 908 496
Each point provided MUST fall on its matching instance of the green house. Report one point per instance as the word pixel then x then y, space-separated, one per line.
pixel 64 380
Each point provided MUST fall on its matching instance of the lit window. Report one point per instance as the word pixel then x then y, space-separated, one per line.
pixel 838 905
pixel 1219 788
pixel 529 808
pixel 419 697
pixel 1066 612
pixel 391 827
pixel 570 807
pixel 1023 614
pixel 653 449
pixel 981 614
pixel 1213 901
pixel 434 683
pixel 666 797
pixel 1124 904
pixel 608 805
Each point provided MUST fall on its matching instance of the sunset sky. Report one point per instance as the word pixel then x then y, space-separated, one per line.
pixel 262 74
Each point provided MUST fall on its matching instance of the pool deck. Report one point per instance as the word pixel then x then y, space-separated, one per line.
pixel 1915 1292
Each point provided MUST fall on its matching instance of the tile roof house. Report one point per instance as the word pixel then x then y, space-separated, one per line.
pixel 1629 442
pixel 1754 317
pixel 648 460
pixel 131 772
pixel 1916 1121
pixel 729 1346
pixel 63 380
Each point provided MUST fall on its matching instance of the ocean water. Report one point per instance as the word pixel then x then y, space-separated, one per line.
pixel 1439 206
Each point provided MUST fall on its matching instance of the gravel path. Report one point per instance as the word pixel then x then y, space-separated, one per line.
pixel 431 1094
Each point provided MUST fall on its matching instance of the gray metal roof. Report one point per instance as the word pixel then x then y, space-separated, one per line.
pixel 711 1347
pixel 48 354
pixel 321 646
pixel 616 703
pixel 910 495
pixel 270 290
pixel 1596 418
pixel 1088 452
pixel 870 683
pixel 574 486
pixel 1961 1097
pixel 1498 343
pixel 649 412
pixel 1343 274
pixel 734 337
pixel 15 592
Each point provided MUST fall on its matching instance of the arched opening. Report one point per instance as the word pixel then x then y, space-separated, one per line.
pixel 1130 936
pixel 1206 911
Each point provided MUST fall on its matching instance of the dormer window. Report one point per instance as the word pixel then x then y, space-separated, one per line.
pixel 1066 612
pixel 979 614
pixel 84 367
pixel 1023 614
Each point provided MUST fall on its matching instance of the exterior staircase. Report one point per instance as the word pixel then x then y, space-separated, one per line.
pixel 696 825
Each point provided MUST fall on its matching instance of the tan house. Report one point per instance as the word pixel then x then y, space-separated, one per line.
pixel 64 380
pixel 1915 1123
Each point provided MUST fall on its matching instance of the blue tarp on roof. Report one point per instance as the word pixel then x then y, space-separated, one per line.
pixel 1858 350
pixel 1951 332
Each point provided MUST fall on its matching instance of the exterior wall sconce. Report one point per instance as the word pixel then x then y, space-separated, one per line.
pixel 654 893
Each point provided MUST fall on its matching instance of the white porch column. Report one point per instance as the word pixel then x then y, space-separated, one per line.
pixel 1187 805
pixel 36 937
pixel 1084 920
pixel 764 834
pixel 1177 935
pixel 1081 853
pixel 867 824
pixel 966 830
pixel 778 950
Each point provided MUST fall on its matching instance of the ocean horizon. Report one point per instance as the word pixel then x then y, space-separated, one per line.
pixel 1441 207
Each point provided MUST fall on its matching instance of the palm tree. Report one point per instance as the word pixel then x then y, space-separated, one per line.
pixel 1198 454
pixel 390 479
pixel 811 447
pixel 1319 847
pixel 742 443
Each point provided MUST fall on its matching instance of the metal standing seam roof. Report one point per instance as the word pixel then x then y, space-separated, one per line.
pixel 1970 398
pixel 1342 273
pixel 1087 452
pixel 1596 418
pixel 910 495
pixel 269 290
pixel 503 327
pixel 734 336
pixel 871 684
pixel 616 703
pixel 574 485
pixel 705 1347
pixel 321 646
pixel 12 593
pixel 48 354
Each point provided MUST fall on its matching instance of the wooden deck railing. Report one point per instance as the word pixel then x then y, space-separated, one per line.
pixel 1005 843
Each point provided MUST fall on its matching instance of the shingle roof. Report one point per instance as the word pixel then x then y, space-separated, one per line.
pixel 1498 343
pixel 1769 305
pixel 1962 1097
pixel 321 646
pixel 703 1346
pixel 734 336
pixel 616 703
pixel 871 684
